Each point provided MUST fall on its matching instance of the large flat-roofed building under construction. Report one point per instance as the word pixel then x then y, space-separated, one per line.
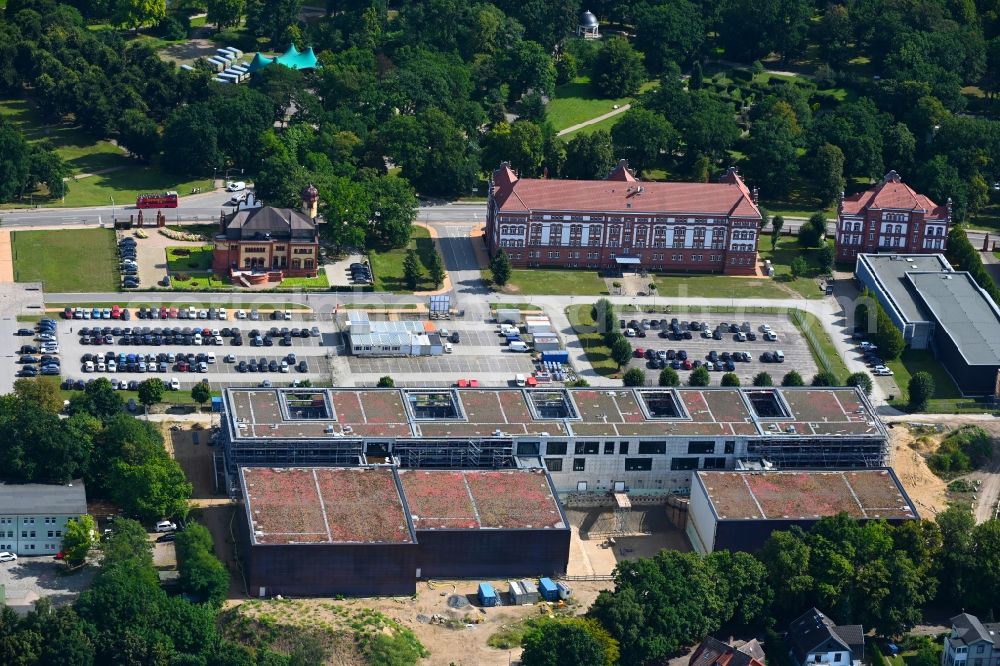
pixel 324 531
pixel 588 439
pixel 740 510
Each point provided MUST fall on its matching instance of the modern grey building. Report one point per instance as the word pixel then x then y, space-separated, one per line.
pixel 941 310
pixel 588 439
pixel 971 643
pixel 33 515
pixel 885 275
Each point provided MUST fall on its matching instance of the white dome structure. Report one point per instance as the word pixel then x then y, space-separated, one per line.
pixel 588 27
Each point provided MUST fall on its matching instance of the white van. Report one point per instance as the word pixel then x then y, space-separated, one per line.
pixel 519 379
pixel 779 356
pixel 518 346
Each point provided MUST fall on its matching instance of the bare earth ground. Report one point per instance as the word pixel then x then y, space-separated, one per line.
pixel 925 489
pixel 189 51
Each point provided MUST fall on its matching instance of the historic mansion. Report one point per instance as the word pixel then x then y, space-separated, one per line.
pixel 623 223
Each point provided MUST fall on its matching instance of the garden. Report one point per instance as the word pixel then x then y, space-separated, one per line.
pixel 387 263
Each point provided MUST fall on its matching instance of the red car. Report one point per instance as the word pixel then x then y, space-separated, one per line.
pixel 60 555
pixel 639 352
pixel 116 312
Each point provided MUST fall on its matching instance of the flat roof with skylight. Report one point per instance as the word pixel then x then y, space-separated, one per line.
pixel 270 414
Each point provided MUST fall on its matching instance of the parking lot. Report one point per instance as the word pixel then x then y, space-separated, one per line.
pixel 32 578
pixel 314 350
pixel 789 341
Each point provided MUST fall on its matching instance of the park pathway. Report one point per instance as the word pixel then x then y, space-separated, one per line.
pixel 593 121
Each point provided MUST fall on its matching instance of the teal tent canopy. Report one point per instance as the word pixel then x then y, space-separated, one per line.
pixel 291 58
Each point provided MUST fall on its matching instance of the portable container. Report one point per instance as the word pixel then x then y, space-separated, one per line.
pixel 556 356
pixel 487 595
pixel 565 592
pixel 548 589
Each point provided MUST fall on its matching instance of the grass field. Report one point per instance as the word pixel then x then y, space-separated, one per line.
pixel 68 260
pixel 592 340
pixel 947 398
pixel 788 249
pixel 318 282
pixel 541 281
pixel 387 265
pixel 605 124
pixel 717 286
pixel 577 101
pixel 85 154
pixel 823 351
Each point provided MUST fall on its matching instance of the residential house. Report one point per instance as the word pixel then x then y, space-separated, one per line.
pixel 33 515
pixel 814 638
pixel 971 643
pixel 713 652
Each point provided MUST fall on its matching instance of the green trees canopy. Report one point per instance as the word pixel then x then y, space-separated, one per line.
pixel 589 156
pixel 641 135
pixel 203 576
pixel 569 642
pixel 618 70
pixel 634 377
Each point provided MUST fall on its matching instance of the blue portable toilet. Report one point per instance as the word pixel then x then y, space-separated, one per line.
pixel 549 590
pixel 216 404
pixel 487 595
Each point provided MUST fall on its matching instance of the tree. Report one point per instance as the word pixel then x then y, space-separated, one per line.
pixel 742 578
pixel 78 538
pixel 270 18
pixel 617 70
pixel 921 390
pixel 36 391
pixel 500 268
pixel 634 377
pixel 812 232
pixel 956 560
pixel 777 223
pixel 201 393
pixel 827 167
pixel 139 134
pixel 860 379
pixel 792 378
pixel 763 379
pixel 520 144
pixel 412 274
pixel 151 391
pixel 621 351
pixel 527 67
pixel 886 336
pixel 135 13
pixel 203 576
pixel 569 642
pixel 772 148
pixel 825 379
pixel 589 156
pixel 669 33
pixel 641 135
pixel 98 399
pixel 825 258
pixel 436 270
pixel 753 29
pixel 798 267
pixel 191 140
pixel 225 12
pixel 152 490
pixel 15 166
pixel 668 377
pixel 730 379
pixel 699 377
pixel 659 605
pixel 385 381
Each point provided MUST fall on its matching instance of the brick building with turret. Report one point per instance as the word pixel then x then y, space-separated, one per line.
pixel 623 223
pixel 891 217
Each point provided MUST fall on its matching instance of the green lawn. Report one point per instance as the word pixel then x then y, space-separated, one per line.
pixel 947 398
pixel 788 249
pixel 718 286
pixel 85 154
pixel 823 351
pixel 185 259
pixel 68 260
pixel 387 265
pixel 592 340
pixel 577 101
pixel 318 282
pixel 605 124
pixel 542 281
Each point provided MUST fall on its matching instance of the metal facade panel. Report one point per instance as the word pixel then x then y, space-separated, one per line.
pixel 492 553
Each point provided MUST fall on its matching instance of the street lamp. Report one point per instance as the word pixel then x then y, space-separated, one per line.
pixel 113 216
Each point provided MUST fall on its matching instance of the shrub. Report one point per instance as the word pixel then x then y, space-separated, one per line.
pixel 861 379
pixel 921 390
pixel 700 377
pixel 792 378
pixel 634 377
pixel 763 379
pixel 962 451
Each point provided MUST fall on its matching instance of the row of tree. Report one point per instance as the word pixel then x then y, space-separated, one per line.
pixel 119 457
pixel 869 573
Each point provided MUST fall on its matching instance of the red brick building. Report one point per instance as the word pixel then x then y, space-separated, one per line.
pixel 621 222
pixel 891 217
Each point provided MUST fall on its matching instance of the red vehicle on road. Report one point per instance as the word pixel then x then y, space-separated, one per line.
pixel 162 200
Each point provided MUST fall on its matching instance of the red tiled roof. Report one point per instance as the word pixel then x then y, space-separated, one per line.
pixel 621 173
pixel 892 193
pixel 730 197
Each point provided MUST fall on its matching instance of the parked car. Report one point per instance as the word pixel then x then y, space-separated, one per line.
pixel 166 526
pixel 236 186
pixel 6 556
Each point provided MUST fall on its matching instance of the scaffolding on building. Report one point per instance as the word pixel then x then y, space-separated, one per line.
pixel 822 453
